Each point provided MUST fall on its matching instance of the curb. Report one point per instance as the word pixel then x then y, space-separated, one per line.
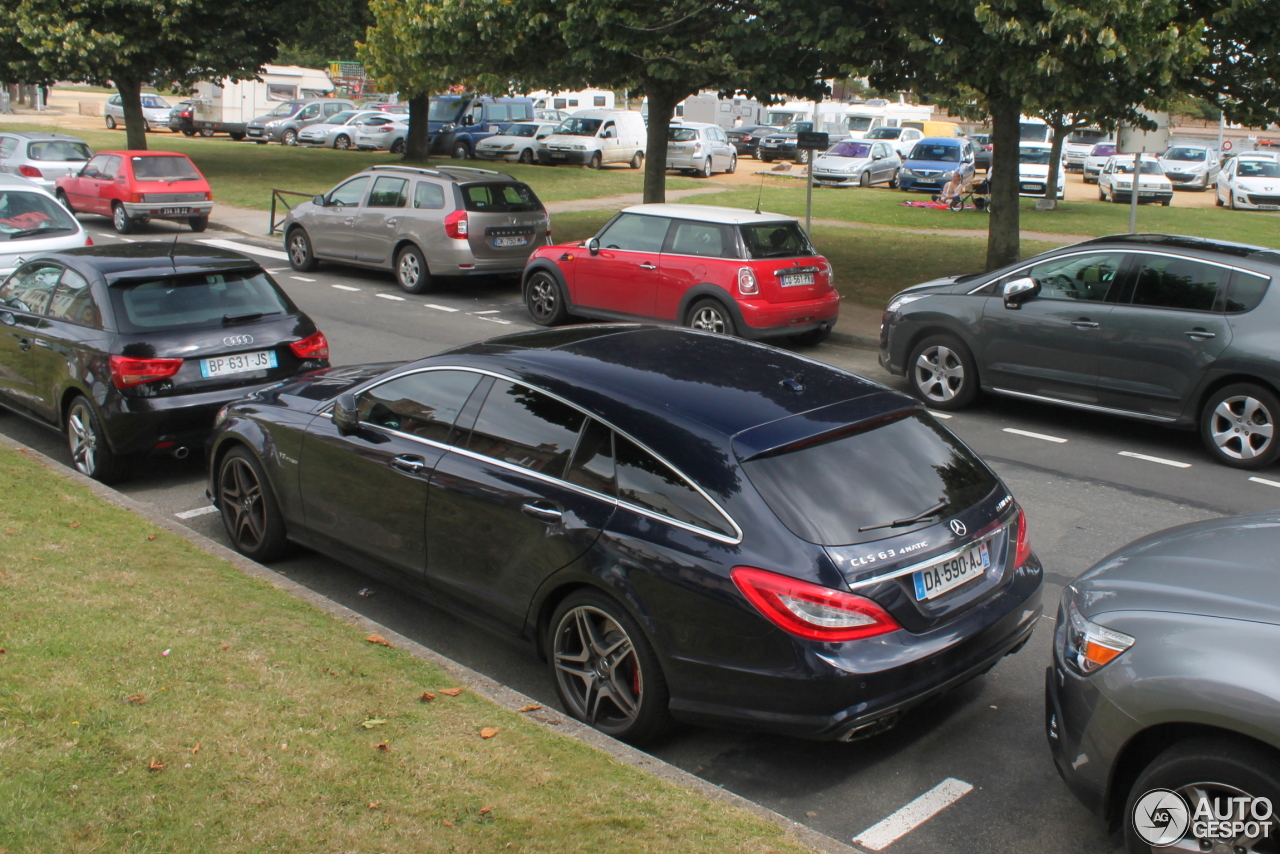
pixel 482 685
pixel 854 340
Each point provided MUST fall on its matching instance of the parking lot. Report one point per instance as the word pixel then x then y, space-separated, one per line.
pixel 1089 484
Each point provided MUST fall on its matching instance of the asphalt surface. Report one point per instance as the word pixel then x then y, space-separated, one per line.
pixel 1084 496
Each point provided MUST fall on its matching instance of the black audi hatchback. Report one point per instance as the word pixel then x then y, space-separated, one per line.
pixel 132 349
pixel 686 525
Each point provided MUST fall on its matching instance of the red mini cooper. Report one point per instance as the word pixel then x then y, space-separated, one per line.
pixel 134 187
pixel 726 270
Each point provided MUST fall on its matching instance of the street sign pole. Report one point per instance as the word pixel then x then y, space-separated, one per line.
pixel 808 199
pixel 1133 195
pixel 1131 140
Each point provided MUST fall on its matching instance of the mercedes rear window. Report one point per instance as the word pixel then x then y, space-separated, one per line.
pixel 832 492
pixel 500 198
pixel 179 302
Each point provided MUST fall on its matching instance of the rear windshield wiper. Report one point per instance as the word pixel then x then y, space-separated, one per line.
pixel 932 512
pixel 240 318
pixel 32 232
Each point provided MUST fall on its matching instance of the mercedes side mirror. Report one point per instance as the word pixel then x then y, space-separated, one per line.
pixel 1018 291
pixel 593 246
pixel 346 415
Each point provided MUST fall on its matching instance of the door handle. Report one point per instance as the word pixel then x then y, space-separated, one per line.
pixel 40 342
pixel 1199 334
pixel 647 266
pixel 391 223
pixel 1084 323
pixel 410 464
pixel 549 514
pixel 23 343
pixel 349 220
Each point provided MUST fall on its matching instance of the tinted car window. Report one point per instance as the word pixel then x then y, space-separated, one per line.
pixel 25 215
pixel 1258 169
pixel 189 301
pixel 699 238
pixel 1169 282
pixel 349 193
pixel 424 404
pixel 824 493
pixel 526 428
pixel 389 192
pixel 776 240
pixel 164 168
pixel 427 195
pixel 676 134
pixel 1079 277
pixel 592 466
pixel 645 481
pixel 8 145
pixel 58 150
pixel 110 167
pixel 850 149
pixel 1246 292
pixel 500 198
pixel 30 288
pixel 935 152
pixel 636 233
pixel 73 301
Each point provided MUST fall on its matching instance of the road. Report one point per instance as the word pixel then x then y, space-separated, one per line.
pixel 1084 491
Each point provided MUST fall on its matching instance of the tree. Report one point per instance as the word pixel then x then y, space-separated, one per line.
pixel 328 32
pixel 128 43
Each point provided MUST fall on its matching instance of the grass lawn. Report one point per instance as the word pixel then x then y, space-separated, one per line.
pixel 154 698
pixel 870 265
pixel 243 174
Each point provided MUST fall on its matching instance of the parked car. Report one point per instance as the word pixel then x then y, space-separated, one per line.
pixel 1080 143
pixel 383 136
pixel 659 517
pixel 700 149
pixel 182 120
pixel 746 140
pixel 1097 159
pixel 981 150
pixel 42 158
pixel 860 162
pixel 457 123
pixel 32 222
pixel 135 187
pixel 338 131
pixel 137 346
pixel 1250 182
pixel 1162 677
pixel 1193 167
pixel 1115 182
pixel 596 137
pixel 933 160
pixel 286 121
pixel 519 143
pixel 556 116
pixel 1033 170
pixel 155 112
pixel 420 223
pixel 1167 329
pixel 782 145
pixel 902 139
pixel 723 270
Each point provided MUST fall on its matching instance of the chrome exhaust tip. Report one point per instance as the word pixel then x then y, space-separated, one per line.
pixel 181 452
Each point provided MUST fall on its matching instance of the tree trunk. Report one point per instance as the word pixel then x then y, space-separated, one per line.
pixel 1055 156
pixel 131 98
pixel 417 144
pixel 1003 237
pixel 662 106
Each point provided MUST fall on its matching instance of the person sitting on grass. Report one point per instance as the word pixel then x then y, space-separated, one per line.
pixel 953 189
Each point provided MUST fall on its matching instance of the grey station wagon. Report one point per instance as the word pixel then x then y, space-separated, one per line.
pixel 1172 330
pixel 421 223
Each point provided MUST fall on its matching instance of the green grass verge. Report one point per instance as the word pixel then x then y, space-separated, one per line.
pixel 870 265
pixel 155 698
pixel 243 174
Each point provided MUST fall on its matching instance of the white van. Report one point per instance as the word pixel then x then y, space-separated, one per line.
pixel 596 137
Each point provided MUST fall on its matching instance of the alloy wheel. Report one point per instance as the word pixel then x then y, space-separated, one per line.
pixel 242 502
pixel 299 249
pixel 409 270
pixel 82 439
pixel 542 298
pixel 1225 798
pixel 342 143
pixel 939 373
pixel 597 668
pixel 1241 427
pixel 708 319
pixel 120 218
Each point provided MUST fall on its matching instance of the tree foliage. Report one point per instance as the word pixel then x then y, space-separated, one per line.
pixel 328 32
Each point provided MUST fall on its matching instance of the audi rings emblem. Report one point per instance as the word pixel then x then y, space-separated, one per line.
pixel 958 527
pixel 237 340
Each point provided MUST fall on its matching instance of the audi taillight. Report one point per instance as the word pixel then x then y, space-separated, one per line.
pixel 314 346
pixel 812 611
pixel 455 225
pixel 1023 549
pixel 747 285
pixel 127 371
pixel 29 171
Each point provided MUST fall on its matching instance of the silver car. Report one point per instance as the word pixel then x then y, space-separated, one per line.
pixel 42 158
pixel 1193 167
pixel 32 222
pixel 519 143
pixel 155 112
pixel 339 130
pixel 382 136
pixel 700 149
pixel 860 162
pixel 421 224
pixel 287 119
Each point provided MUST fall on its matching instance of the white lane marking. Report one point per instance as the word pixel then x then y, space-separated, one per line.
pixel 493 311
pixel 1031 435
pixel 438 307
pixel 281 270
pixel 495 320
pixel 247 248
pixel 389 296
pixel 199 511
pixel 344 287
pixel 883 834
pixel 1159 460
pixel 124 240
pixel 944 416
pixel 1265 482
pixel 302 278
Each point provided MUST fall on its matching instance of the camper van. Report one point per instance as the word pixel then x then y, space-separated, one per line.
pixel 585 99
pixel 710 108
pixel 227 106
pixel 876 113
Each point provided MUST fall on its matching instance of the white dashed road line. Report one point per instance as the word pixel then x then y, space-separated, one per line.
pixel 344 287
pixel 883 834
pixel 1031 435
pixel 944 416
pixel 199 511
pixel 389 296
pixel 247 248
pixel 492 311
pixel 1265 482
pixel 439 307
pixel 1159 460
pixel 495 320
pixel 302 278
pixel 124 240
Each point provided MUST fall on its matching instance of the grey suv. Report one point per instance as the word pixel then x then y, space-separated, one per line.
pixel 1172 330
pixel 283 123
pixel 421 223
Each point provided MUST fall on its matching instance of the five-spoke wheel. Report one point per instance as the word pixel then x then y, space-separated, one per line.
pixel 249 511
pixel 90 452
pixel 301 258
pixel 1238 426
pixel 710 316
pixel 942 372
pixel 542 299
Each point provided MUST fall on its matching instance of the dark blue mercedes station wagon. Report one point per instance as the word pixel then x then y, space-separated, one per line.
pixel 687 526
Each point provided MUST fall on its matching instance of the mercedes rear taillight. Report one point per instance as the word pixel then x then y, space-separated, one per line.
pixel 812 611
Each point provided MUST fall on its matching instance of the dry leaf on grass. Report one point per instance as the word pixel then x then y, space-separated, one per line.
pixel 151 536
pixel 195 749
pixel 485 810
pixel 427 697
pixel 452 692
pixel 226 646
pixel 372 722
pixel 75 524
pixel 156 766
pixel 532 707
pixel 136 698
pixel 383 746
pixel 489 732
pixel 375 805
pixel 378 639
pixel 448 824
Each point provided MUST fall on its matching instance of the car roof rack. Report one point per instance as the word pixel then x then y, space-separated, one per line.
pixel 442 172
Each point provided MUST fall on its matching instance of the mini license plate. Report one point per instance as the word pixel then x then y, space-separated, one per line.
pixel 1032 187
pixel 174 211
pixel 510 241
pixel 238 364
pixel 797 279
pixel 950 574
pixel 1269 207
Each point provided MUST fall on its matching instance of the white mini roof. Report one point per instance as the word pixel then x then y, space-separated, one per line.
pixel 709 213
